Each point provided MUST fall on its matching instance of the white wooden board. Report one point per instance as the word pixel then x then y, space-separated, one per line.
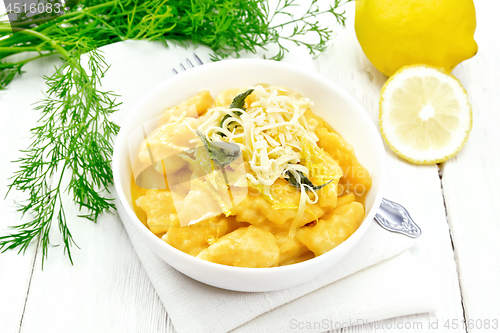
pixel 108 291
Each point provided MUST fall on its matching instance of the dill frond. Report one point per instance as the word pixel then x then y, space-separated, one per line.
pixel 71 147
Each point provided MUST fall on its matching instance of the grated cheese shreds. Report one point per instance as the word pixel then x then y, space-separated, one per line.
pixel 272 130
pixel 271 134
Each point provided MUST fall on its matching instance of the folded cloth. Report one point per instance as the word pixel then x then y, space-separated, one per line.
pixel 355 291
pixel 363 292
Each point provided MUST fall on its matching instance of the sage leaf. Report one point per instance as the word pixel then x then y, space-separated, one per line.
pixel 222 153
pixel 239 100
pixel 298 178
pixel 237 103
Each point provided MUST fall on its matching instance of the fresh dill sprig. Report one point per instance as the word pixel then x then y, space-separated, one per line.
pixel 305 25
pixel 70 151
pixel 267 33
pixel 71 145
pixel 228 27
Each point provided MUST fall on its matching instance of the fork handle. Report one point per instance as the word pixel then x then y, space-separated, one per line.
pixel 394 217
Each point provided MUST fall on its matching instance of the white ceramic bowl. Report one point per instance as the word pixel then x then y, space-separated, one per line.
pixel 332 103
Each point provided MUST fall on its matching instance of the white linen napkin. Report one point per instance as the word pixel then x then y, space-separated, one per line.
pixel 377 280
pixel 363 292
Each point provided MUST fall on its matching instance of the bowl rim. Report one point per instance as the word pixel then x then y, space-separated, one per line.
pixel 145 232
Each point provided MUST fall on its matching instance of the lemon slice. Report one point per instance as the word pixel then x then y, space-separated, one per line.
pixel 425 115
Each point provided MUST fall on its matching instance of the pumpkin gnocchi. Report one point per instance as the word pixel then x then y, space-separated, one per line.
pixel 253 178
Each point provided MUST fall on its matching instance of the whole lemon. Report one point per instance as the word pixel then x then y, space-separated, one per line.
pixel 397 33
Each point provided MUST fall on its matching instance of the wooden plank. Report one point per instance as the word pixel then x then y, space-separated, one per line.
pixel 471 179
pixel 418 188
pixel 17 118
pixel 107 288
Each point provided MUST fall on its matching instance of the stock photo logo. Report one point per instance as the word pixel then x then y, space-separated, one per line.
pixel 24 14
pixel 205 178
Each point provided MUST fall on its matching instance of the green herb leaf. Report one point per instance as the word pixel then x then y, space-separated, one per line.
pixel 298 178
pixel 70 152
pixel 74 135
pixel 239 101
pixel 228 27
pixel 238 113
pixel 223 153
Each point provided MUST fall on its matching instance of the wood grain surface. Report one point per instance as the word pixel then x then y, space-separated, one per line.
pixel 455 203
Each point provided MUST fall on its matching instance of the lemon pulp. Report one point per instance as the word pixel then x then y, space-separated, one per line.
pixel 425 116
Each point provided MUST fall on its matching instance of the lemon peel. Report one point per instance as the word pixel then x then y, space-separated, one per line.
pixel 394 34
pixel 425 116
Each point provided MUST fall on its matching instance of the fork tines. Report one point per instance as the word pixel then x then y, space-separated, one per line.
pixel 189 63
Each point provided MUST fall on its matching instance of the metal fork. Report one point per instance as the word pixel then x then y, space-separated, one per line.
pixel 390 216
pixel 190 64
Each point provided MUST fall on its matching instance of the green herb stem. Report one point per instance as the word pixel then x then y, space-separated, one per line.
pixel 41 36
pixel 22 62
pixel 72 140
